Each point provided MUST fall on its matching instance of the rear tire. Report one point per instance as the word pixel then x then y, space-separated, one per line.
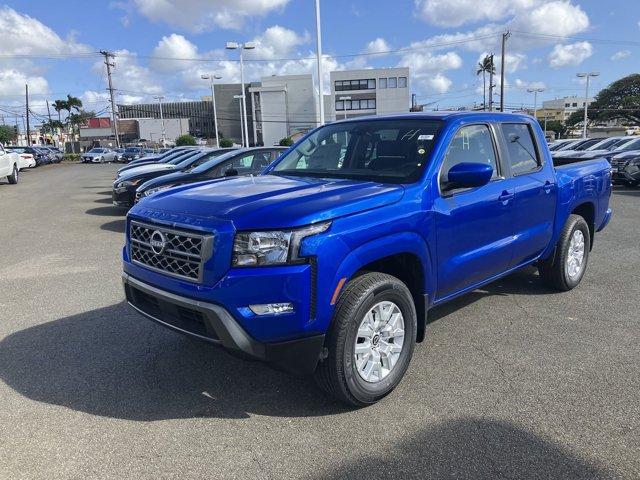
pixel 13 178
pixel 565 269
pixel 375 315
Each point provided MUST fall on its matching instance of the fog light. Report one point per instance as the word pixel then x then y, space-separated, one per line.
pixel 272 308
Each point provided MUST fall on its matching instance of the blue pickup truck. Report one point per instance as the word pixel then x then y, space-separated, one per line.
pixel 329 261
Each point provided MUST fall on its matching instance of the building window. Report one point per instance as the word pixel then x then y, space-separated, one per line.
pixel 382 83
pixel 371 104
pixel 392 82
pixel 574 104
pixel 402 82
pixel 567 104
pixel 371 84
pixel 364 104
pixel 364 84
pixel 339 105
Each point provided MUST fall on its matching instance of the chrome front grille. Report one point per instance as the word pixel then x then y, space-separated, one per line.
pixel 618 162
pixel 178 253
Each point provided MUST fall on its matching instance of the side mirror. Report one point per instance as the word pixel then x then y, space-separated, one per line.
pixel 469 175
pixel 232 172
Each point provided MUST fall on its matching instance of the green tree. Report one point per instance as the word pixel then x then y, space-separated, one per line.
pixel 58 106
pixel 619 101
pixel 186 140
pixel 555 126
pixel 226 143
pixel 484 67
pixel 70 104
pixel 7 134
pixel 286 142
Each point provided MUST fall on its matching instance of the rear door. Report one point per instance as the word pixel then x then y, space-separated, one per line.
pixel 473 225
pixel 534 206
pixel 5 163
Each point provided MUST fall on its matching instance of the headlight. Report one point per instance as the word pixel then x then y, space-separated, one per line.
pixel 151 191
pixel 123 186
pixel 278 247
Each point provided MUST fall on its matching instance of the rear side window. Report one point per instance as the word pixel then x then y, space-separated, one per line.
pixel 471 144
pixel 523 155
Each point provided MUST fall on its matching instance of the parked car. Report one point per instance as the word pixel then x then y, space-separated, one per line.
pixel 26 160
pixel 161 157
pixel 132 153
pixel 119 153
pixel 99 155
pixel 329 261
pixel 172 159
pixel 624 163
pixel 57 152
pixel 601 148
pixel 124 188
pixel 572 149
pixel 245 161
pixel 9 165
pixel 41 158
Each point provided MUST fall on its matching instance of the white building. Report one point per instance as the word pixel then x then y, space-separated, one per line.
pixel 283 106
pixel 150 129
pixel 369 92
pixel 567 104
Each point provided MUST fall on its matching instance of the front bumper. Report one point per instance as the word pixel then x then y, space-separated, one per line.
pixel 214 324
pixel 123 199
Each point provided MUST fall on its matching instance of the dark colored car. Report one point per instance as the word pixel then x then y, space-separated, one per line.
pixel 124 188
pixel 245 161
pixel 41 157
pixel 158 158
pixel 132 153
pixel 56 152
pixel 173 159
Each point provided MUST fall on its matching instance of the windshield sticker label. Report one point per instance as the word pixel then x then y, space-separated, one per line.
pixel 425 137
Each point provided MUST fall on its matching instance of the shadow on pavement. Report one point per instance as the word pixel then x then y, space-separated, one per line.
pixel 115 363
pixel 474 449
pixel 522 282
pixel 106 201
pixel 115 226
pixel 107 211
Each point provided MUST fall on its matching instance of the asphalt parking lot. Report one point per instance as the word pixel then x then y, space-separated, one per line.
pixel 514 381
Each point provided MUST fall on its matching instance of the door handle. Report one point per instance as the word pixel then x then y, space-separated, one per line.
pixel 505 197
pixel 547 187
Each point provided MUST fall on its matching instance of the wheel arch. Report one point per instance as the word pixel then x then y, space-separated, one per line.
pixel 587 210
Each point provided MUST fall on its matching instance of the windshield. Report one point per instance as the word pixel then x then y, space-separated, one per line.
pixel 217 157
pixel 631 145
pixel 182 156
pixel 394 151
pixel 194 160
pixel 133 150
pixel 586 144
pixel 96 150
pixel 16 149
pixel 604 144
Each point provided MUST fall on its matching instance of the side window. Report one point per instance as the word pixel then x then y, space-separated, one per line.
pixel 471 144
pixel 523 156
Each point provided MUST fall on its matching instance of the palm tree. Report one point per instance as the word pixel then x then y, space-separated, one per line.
pixel 58 106
pixel 72 103
pixel 484 67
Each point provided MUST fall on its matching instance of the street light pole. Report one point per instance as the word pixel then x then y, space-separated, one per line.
pixel 319 60
pixel 164 137
pixel 242 47
pixel 213 77
pixel 586 75
pixel 535 99
pixel 239 98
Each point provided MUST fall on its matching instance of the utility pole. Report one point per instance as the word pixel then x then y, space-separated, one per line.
pixel 49 114
pixel 505 36
pixel 586 76
pixel 159 98
pixel 26 91
pixel 319 59
pixel 107 55
pixel 491 84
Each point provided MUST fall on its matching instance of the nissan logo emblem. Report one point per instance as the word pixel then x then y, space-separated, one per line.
pixel 158 242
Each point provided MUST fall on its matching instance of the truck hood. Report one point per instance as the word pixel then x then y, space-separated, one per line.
pixel 273 201
pixel 152 167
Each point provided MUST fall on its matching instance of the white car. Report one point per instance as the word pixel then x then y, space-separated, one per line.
pixel 9 165
pixel 26 160
pixel 99 155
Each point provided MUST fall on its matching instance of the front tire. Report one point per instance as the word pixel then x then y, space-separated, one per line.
pixel 565 269
pixel 371 340
pixel 13 178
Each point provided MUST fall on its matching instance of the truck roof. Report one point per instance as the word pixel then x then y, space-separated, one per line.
pixel 443 115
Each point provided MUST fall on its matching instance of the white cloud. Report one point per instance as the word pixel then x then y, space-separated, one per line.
pixel 560 18
pixel 620 55
pixel 12 83
pixel 437 83
pixel 203 15
pixel 277 42
pixel 446 13
pixel 570 55
pixel 170 50
pixel 378 45
pixel 427 70
pixel 524 84
pixel 513 61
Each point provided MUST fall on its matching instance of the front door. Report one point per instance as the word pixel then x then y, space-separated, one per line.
pixel 473 226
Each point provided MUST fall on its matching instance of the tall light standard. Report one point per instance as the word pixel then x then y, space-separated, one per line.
pixel 535 92
pixel 586 75
pixel 242 47
pixel 213 77
pixel 319 59
pixel 239 98
pixel 160 98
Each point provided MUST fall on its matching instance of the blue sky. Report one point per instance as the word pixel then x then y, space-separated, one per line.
pixel 52 46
